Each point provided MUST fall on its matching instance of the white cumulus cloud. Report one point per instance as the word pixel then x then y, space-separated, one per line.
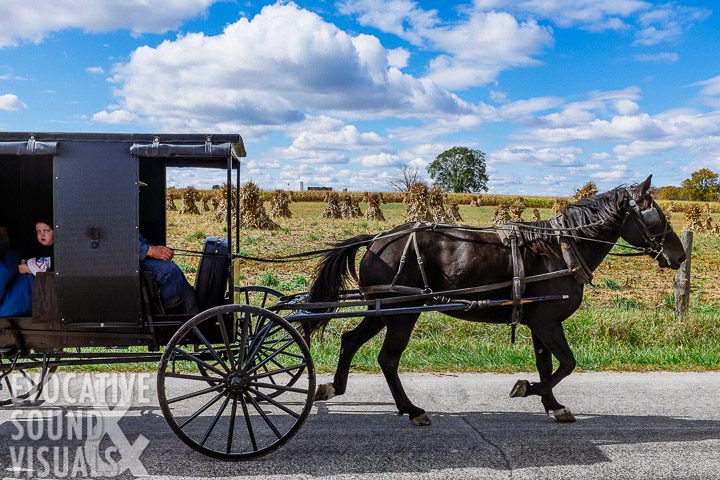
pixel 652 23
pixel 11 103
pixel 275 69
pixel 114 117
pixel 710 87
pixel 473 49
pixel 379 160
pixel 33 20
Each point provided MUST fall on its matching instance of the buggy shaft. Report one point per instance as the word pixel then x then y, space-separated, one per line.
pixel 453 305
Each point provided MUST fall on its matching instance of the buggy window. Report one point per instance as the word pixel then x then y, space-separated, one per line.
pixel 26 191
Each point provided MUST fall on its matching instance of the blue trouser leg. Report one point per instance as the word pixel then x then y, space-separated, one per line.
pixel 172 282
pixel 8 271
pixel 18 300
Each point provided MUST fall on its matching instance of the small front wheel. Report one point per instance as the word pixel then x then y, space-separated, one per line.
pixel 18 384
pixel 219 377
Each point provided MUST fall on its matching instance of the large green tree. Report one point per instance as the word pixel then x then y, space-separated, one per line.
pixel 459 170
pixel 702 185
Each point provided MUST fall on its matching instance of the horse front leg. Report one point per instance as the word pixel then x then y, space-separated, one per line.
pixel 350 343
pixel 397 338
pixel 547 342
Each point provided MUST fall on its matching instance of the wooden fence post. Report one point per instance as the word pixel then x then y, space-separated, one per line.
pixel 682 278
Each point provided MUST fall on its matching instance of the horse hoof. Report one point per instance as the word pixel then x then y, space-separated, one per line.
pixel 562 415
pixel 520 389
pixel 325 391
pixel 421 420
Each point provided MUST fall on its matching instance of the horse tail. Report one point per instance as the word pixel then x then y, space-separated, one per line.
pixel 333 273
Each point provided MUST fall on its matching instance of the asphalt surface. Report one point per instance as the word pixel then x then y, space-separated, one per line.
pixel 644 425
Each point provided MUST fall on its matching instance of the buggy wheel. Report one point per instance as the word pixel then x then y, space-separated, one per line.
pixel 228 412
pixel 264 297
pixel 257 296
pixel 18 383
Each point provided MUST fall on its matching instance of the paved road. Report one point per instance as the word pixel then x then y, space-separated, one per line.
pixel 656 425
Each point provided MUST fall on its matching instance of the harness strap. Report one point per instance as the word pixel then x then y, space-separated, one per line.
pixel 572 256
pixel 412 239
pixel 427 288
pixel 518 285
pixel 412 294
pixel 403 258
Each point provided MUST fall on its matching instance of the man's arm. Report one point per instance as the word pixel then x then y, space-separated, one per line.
pixel 159 252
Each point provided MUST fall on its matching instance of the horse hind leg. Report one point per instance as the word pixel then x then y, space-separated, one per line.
pixel 397 337
pixel 543 361
pixel 550 342
pixel 350 343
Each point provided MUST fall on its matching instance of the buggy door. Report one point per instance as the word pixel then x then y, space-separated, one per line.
pixel 95 200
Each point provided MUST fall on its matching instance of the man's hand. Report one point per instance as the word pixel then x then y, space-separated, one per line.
pixel 160 252
pixel 23 268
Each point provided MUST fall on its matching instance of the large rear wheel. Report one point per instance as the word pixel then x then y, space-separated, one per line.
pixel 220 378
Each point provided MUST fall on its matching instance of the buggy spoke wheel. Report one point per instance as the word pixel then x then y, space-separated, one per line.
pixel 224 382
pixel 265 297
pixel 257 296
pixel 20 383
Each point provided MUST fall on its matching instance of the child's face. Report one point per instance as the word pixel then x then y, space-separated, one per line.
pixel 45 234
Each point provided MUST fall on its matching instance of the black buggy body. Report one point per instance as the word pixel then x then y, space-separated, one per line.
pixel 220 371
pixel 88 184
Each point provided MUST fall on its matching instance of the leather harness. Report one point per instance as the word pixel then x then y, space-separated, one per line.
pixel 509 237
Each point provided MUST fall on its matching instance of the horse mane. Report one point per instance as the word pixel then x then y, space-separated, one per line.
pixel 607 207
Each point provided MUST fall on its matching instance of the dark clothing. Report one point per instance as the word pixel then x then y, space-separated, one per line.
pixel 15 287
pixel 170 279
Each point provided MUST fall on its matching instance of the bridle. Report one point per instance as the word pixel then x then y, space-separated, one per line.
pixel 645 221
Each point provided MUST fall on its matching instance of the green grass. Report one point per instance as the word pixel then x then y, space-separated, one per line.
pixel 607 338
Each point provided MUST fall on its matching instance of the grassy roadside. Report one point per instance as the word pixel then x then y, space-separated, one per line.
pixel 606 338
pixel 623 337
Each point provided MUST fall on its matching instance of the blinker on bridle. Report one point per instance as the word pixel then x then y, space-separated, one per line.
pixel 644 221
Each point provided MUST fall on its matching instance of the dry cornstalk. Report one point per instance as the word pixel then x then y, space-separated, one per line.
pixel 517 208
pixel 332 209
pixel 436 204
pixel 190 195
pixel 373 211
pixel 587 190
pixel 501 215
pixel 559 205
pixel 452 212
pixel 280 204
pixel 693 220
pixel 252 211
pixel 349 208
pixel 416 204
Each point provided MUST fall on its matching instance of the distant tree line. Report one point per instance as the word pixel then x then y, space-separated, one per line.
pixel 703 186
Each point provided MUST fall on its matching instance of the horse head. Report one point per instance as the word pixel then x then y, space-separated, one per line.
pixel 646 226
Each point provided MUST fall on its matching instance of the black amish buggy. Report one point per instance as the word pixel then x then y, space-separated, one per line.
pixel 237 381
pixel 97 303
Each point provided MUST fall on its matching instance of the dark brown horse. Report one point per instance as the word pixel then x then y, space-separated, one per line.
pixel 457 258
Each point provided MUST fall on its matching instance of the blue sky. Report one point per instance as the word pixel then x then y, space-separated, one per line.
pixel 342 93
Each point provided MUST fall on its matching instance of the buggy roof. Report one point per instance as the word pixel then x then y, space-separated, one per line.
pixel 178 150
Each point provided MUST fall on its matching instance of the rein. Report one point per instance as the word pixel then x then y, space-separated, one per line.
pixel 312 254
pixel 557 230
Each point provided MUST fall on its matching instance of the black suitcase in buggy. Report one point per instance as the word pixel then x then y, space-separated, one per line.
pixel 211 283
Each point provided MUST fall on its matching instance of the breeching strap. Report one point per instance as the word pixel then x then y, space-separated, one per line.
pixel 412 239
pixel 517 284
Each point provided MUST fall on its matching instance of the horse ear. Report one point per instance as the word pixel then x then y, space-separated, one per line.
pixel 645 186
